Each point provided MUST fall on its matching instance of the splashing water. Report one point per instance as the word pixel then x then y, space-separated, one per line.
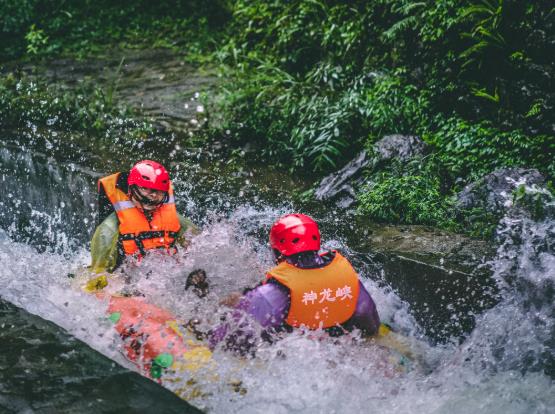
pixel 505 365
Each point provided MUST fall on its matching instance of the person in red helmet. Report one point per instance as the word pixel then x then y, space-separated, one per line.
pixel 136 214
pixel 306 289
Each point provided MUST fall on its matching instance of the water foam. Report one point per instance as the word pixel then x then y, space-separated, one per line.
pixel 503 366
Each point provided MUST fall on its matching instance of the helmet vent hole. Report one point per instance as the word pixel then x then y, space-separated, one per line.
pixel 282 241
pixel 295 240
pixel 314 238
pixel 145 177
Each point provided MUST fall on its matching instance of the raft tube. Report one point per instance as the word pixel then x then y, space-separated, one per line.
pixel 151 337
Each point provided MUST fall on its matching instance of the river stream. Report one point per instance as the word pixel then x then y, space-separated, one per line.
pixel 491 349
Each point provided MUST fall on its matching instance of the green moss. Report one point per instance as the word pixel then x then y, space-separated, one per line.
pixel 84 27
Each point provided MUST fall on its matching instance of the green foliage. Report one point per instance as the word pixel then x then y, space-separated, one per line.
pixel 539 203
pixel 301 123
pixel 85 27
pixel 487 17
pixel 472 150
pixel 36 40
pixel 409 195
pixel 310 82
pixel 297 35
pixel 478 222
pixel 301 87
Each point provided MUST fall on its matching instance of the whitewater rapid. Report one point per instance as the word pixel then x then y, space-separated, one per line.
pixel 505 365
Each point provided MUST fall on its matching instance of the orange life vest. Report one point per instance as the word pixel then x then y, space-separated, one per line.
pixel 320 298
pixel 137 234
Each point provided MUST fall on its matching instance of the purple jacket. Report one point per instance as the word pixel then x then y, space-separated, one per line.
pixel 268 304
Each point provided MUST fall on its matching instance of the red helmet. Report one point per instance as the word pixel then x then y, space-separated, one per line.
pixel 294 233
pixel 149 174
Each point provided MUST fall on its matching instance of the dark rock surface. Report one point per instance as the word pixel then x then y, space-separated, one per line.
pixel 340 182
pixel 156 82
pixel 494 192
pixel 400 147
pixel 445 277
pixel 341 185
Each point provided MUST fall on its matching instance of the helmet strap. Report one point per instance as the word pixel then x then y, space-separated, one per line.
pixel 145 200
pixel 278 256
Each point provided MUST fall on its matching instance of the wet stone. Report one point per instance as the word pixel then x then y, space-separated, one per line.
pixel 399 147
pixel 43 369
pixel 494 192
pixel 339 182
pixel 156 83
pixel 342 185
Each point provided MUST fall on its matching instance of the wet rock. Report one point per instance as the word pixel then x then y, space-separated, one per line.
pixel 156 83
pixel 43 369
pixel 400 147
pixel 436 248
pixel 444 277
pixel 341 185
pixel 341 182
pixel 493 193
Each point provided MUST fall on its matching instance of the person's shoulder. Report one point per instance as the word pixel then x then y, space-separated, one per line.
pixel 121 183
pixel 271 291
pixel 273 284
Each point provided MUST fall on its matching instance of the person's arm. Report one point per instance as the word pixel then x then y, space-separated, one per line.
pixel 267 304
pixel 104 245
pixel 105 207
pixel 186 232
pixel 366 316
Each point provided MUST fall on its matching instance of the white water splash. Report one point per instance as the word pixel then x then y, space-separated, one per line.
pixel 500 368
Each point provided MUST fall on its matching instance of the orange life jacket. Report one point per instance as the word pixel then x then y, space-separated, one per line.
pixel 137 234
pixel 320 298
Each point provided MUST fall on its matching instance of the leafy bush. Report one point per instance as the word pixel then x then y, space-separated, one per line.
pixel 321 119
pixel 330 77
pixel 299 35
pixel 410 195
pixel 471 150
pixel 83 27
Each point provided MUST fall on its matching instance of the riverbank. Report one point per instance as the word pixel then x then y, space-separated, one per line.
pixel 363 74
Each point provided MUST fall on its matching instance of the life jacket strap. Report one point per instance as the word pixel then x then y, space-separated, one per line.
pixel 145 235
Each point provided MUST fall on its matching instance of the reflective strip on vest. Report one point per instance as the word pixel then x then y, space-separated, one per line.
pixel 122 205
pixel 171 200
pixel 320 298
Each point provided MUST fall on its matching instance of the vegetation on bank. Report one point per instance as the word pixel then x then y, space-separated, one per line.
pixel 81 28
pixel 25 103
pixel 311 82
